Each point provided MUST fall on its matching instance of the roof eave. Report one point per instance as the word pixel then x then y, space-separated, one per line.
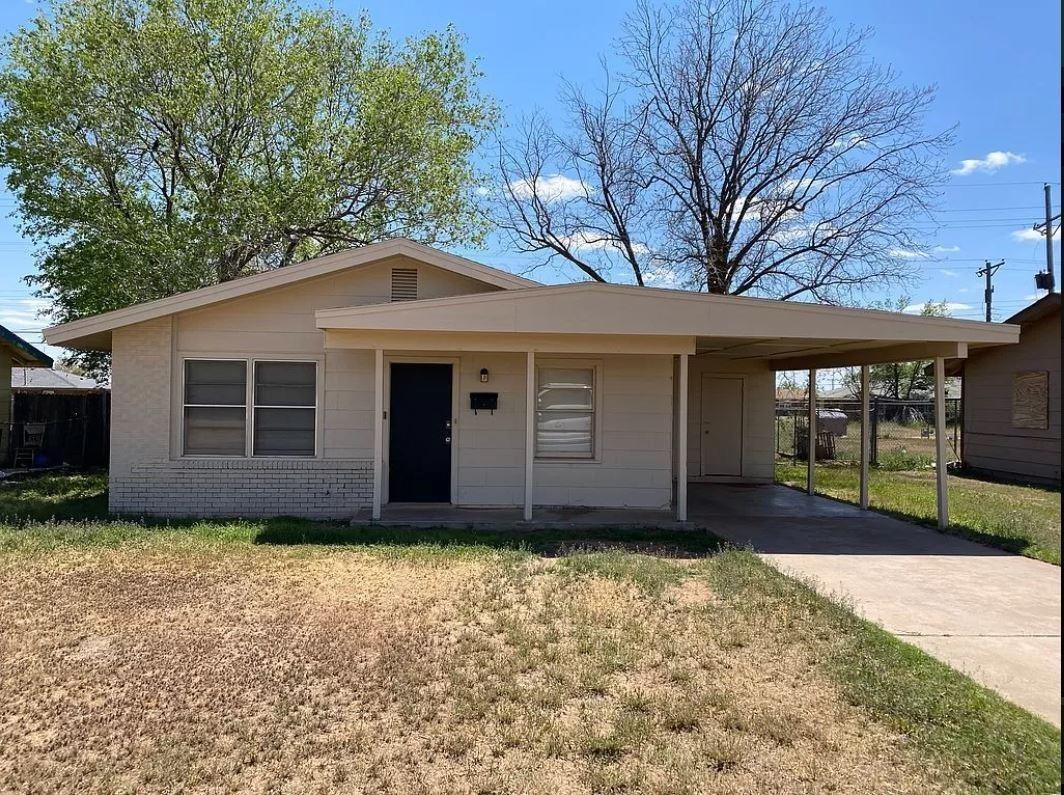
pixel 93 333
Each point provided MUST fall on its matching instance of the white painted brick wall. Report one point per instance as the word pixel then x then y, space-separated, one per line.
pixel 313 489
pixel 145 480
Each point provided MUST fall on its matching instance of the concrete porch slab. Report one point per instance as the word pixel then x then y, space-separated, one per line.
pixel 446 515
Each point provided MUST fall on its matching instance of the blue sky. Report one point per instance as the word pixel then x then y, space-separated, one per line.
pixel 996 66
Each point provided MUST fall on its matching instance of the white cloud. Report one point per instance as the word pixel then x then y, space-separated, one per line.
pixel 908 253
pixel 945 272
pixel 665 278
pixel 807 184
pixel 946 249
pixel 991 163
pixel 950 306
pixel 853 140
pixel 552 188
pixel 1032 297
pixel 1032 235
pixel 1026 235
pixel 24 313
pixel 585 240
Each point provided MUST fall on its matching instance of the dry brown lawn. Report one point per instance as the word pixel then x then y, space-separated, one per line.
pixel 265 669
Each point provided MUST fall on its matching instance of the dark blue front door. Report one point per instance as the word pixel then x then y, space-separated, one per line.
pixel 419 448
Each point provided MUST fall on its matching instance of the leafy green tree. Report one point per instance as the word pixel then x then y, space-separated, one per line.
pixel 156 146
pixel 898 380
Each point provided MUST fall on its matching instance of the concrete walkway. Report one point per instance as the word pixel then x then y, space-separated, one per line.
pixel 989 613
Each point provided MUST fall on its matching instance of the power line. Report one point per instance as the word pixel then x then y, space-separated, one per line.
pixel 995 184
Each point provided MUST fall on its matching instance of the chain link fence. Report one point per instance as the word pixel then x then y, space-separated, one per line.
pixel 902 432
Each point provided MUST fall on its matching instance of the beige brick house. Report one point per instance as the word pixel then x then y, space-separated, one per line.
pixel 396 373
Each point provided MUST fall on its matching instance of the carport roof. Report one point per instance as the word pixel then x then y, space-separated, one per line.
pixel 790 335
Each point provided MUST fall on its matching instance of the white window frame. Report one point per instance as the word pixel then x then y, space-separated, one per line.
pixel 185 404
pixel 249 406
pixel 595 366
pixel 252 365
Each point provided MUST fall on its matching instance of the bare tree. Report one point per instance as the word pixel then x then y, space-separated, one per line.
pixel 747 147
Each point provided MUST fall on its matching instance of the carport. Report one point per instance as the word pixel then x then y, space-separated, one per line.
pixel 724 353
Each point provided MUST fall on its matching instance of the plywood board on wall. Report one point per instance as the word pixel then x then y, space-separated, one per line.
pixel 1030 399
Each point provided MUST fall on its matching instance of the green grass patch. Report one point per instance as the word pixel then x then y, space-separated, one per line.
pixel 968 735
pixel 52 496
pixel 650 574
pixel 972 734
pixel 1017 518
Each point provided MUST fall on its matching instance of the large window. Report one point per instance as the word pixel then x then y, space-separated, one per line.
pixel 215 407
pixel 284 408
pixel 565 412
pixel 283 405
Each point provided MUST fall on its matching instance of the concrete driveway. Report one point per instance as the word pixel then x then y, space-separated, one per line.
pixel 989 613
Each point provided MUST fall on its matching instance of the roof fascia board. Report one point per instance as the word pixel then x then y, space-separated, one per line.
pixel 881 355
pixel 945 328
pixel 323 266
pixel 423 342
pixel 23 354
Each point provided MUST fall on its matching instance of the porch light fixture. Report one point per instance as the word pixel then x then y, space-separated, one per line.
pixel 484 375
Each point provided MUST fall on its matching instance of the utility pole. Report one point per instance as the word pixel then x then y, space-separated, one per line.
pixel 988 271
pixel 1049 281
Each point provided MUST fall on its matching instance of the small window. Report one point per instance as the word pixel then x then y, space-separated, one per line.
pixel 404 284
pixel 285 408
pixel 215 407
pixel 565 412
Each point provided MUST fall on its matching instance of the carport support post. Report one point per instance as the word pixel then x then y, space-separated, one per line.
pixel 681 442
pixel 378 430
pixel 811 447
pixel 940 442
pixel 866 442
pixel 530 430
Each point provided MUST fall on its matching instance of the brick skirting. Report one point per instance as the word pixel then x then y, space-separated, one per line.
pixel 313 489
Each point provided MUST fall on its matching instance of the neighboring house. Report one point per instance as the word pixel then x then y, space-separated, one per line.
pixel 14 352
pixel 398 373
pixel 73 410
pixel 953 392
pixel 1012 400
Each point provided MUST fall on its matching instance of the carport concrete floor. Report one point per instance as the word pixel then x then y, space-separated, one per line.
pixel 989 613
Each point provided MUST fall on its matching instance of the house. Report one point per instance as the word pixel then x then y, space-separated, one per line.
pixel 849 393
pixel 396 373
pixel 1011 401
pixel 14 352
pixel 73 411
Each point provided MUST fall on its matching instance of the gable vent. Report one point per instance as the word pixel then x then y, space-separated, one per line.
pixel 404 284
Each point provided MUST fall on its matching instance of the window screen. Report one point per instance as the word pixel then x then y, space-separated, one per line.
pixel 215 407
pixel 285 406
pixel 565 412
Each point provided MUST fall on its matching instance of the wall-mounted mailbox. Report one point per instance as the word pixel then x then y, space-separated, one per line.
pixel 484 401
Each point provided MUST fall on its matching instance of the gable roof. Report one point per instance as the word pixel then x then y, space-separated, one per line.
pixel 22 353
pixel 1043 307
pixel 98 326
pixel 38 379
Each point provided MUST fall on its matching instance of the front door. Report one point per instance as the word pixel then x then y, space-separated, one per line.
pixel 721 434
pixel 419 447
